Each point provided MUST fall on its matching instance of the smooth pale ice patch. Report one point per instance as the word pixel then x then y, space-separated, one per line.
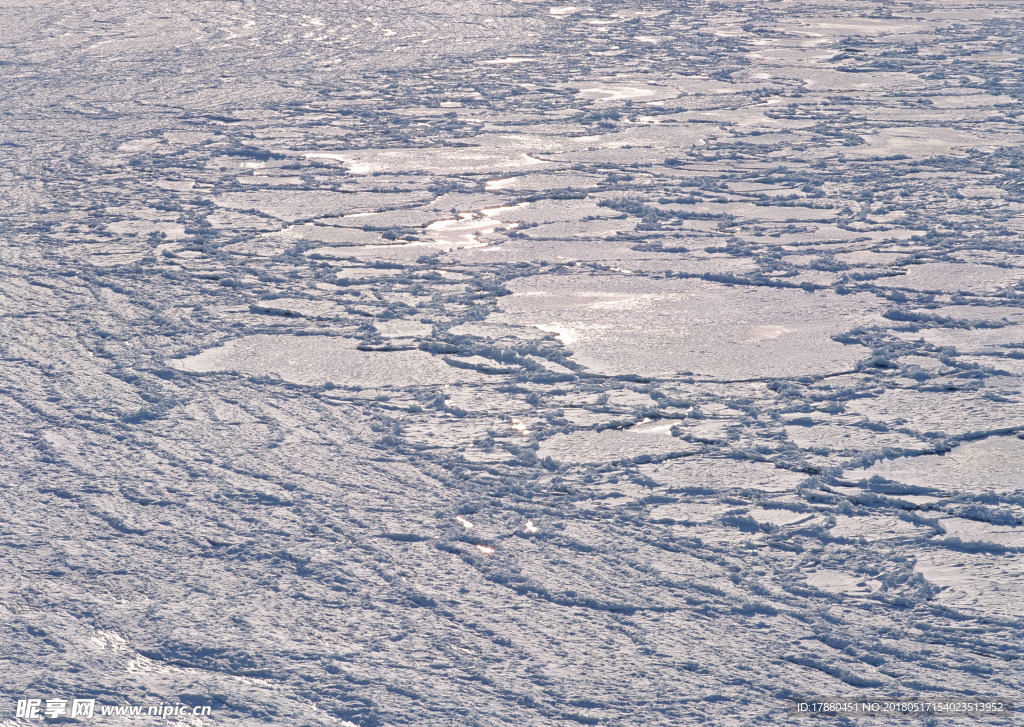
pixel 656 426
pixel 877 527
pixel 510 60
pixel 566 335
pixel 917 142
pixel 617 93
pixel 780 516
pixel 952 277
pixel 172 230
pixel 946 412
pixel 403 329
pixel 611 445
pixel 322 359
pixel 292 205
pixel 988 464
pixel 840 582
pixel 984 534
pixel 558 179
pixel 842 433
pixel 688 512
pixel 438 160
pixel 723 474
pixel 984 340
pixel 623 324
pixel 979 582
pixel 465 231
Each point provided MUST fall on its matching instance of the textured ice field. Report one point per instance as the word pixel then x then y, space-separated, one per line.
pixel 511 363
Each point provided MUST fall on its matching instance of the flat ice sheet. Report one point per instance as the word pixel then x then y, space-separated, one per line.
pixel 323 359
pixel 622 324
pixel 980 466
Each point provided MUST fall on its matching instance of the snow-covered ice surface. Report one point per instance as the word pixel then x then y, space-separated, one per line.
pixel 511 363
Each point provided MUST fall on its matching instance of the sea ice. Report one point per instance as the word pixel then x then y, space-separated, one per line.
pixel 318 360
pixel 626 325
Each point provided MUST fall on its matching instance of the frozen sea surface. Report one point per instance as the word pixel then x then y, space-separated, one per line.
pixel 511 363
pixel 325 359
pixel 632 325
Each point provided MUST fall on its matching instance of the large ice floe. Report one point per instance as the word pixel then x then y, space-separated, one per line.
pixel 632 325
pixel 323 360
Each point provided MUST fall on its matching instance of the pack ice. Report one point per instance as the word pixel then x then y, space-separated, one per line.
pixel 510 363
